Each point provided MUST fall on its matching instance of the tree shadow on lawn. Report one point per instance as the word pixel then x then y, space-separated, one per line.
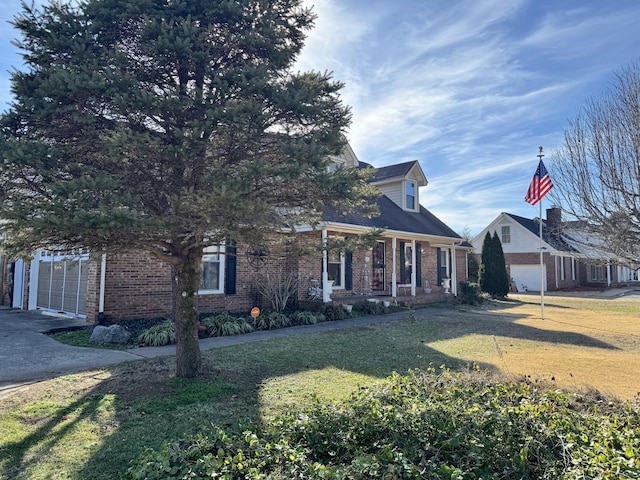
pixel 150 406
pixel 504 325
pixel 145 412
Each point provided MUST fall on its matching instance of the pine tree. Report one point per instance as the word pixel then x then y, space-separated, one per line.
pixel 493 273
pixel 502 279
pixel 486 276
pixel 168 126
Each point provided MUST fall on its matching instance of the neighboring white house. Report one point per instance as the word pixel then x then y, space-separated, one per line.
pixel 570 259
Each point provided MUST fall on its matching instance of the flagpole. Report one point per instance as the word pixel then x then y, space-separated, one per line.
pixel 540 155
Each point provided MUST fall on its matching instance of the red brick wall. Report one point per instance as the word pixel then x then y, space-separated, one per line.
pixel 137 286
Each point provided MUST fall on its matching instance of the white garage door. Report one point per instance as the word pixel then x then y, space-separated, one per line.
pixel 527 277
pixel 62 283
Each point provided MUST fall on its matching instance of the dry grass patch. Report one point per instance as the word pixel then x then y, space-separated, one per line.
pixel 582 343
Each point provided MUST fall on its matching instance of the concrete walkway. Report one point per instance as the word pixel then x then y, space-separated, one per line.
pixel 28 355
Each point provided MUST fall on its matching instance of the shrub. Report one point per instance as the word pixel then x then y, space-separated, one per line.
pixel 271 321
pixel 370 308
pixel 225 324
pixel 161 334
pixel 469 293
pixel 279 288
pixel 425 425
pixel 303 317
pixel 333 311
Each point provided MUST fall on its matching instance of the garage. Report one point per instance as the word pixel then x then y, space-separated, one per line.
pixel 527 277
pixel 62 283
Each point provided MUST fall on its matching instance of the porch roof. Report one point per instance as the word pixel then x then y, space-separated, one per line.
pixel 392 217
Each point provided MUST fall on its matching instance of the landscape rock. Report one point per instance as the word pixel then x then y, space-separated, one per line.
pixel 112 334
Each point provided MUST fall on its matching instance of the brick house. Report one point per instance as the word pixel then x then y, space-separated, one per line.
pixel 570 258
pixel 417 259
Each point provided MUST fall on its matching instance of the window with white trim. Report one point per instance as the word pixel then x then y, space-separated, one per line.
pixel 597 272
pixel 561 268
pixel 410 195
pixel 212 271
pixel 335 268
pixel 444 265
pixel 505 234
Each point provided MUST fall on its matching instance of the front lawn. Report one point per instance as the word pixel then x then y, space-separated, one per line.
pixel 91 425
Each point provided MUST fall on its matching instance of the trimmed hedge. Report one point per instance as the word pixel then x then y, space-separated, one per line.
pixel 437 425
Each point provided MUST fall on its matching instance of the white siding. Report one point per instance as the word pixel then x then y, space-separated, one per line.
pixel 522 240
pixel 394 192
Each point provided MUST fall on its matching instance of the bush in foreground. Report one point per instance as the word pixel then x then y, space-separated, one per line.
pixel 439 425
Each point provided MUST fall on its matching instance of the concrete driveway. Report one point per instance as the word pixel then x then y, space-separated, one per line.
pixel 26 354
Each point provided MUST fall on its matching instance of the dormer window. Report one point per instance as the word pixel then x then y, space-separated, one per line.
pixel 410 195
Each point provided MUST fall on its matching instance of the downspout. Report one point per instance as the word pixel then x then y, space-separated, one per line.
pixel 103 281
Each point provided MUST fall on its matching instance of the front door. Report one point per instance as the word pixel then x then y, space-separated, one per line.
pixel 378 267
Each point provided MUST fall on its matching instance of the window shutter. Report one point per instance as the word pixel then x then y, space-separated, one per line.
pixel 418 265
pixel 348 271
pixel 403 277
pixel 230 259
pixel 439 254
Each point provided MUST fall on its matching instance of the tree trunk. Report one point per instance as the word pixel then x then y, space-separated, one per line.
pixel 187 272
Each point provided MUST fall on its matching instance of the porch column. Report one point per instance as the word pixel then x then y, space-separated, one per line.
pixel 454 271
pixel 394 277
pixel 608 274
pixel 325 273
pixel 413 263
pixel 555 261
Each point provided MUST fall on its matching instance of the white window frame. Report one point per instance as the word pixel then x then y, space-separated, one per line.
pixel 413 184
pixel 505 234
pixel 444 263
pixel 208 253
pixel 331 259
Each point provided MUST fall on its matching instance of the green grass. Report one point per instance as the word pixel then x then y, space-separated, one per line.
pixel 91 425
pixel 76 338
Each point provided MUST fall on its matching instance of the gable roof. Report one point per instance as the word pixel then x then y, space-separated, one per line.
pixel 553 239
pixel 392 217
pixel 396 172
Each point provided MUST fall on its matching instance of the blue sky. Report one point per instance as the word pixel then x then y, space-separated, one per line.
pixel 470 88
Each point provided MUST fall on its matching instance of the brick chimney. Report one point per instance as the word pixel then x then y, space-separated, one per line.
pixel 554 220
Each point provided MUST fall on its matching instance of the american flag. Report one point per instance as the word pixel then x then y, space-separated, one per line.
pixel 540 185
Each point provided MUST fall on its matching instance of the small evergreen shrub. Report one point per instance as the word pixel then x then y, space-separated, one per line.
pixel 161 334
pixel 333 311
pixel 271 321
pixel 469 293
